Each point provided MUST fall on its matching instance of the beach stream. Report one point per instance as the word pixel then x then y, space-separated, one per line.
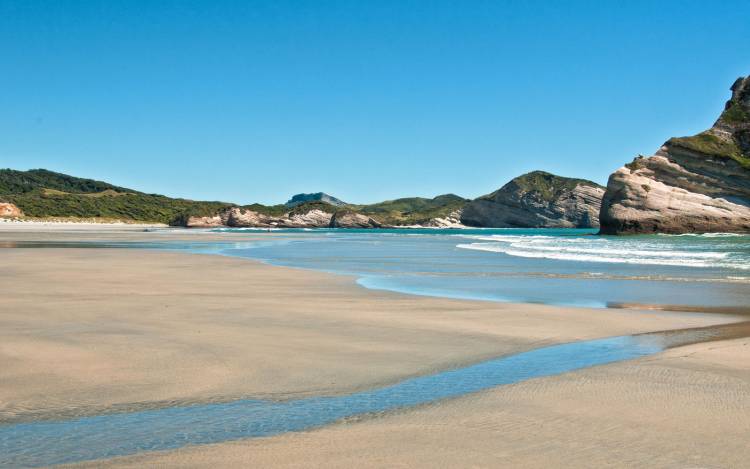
pixel 45 443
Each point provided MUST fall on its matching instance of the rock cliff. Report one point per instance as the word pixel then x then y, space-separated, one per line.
pixel 350 219
pixel 692 184
pixel 452 220
pixel 537 200
pixel 243 218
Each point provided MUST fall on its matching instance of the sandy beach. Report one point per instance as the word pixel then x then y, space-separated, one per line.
pixel 90 331
pixel 688 407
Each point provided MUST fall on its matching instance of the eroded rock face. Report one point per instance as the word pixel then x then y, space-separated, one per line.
pixel 692 184
pixel 238 217
pixel 312 219
pixel 538 200
pixel 347 219
pixel 204 222
pixel 453 220
pixel 243 218
pixel 8 210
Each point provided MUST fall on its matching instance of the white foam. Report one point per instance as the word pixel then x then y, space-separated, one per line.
pixel 600 249
pixel 705 235
pixel 583 256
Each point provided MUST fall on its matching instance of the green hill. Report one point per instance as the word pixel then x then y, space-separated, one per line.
pixel 411 210
pixel 41 194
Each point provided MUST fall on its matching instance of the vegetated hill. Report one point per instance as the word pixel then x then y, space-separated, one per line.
pixel 406 211
pixel 314 197
pixel 412 210
pixel 693 184
pixel 41 194
pixel 537 200
pixel 20 182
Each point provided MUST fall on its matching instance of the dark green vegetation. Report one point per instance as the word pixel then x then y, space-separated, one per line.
pixel 411 210
pixel 735 113
pixel 21 182
pixel 547 186
pixel 40 193
pixel 712 145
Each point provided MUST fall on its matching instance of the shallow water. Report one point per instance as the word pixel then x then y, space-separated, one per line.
pixel 46 443
pixel 563 267
pixel 567 267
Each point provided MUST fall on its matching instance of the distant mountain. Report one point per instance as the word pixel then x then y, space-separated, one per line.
pixel 315 197
pixel 692 184
pixel 537 200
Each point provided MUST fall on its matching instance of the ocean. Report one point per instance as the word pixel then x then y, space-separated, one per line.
pixel 571 267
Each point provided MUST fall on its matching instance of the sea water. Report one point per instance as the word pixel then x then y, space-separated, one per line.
pixel 563 267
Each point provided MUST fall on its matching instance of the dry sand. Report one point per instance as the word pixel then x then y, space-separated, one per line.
pixel 87 331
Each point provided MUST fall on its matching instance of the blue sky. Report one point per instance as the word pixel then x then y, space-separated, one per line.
pixel 367 100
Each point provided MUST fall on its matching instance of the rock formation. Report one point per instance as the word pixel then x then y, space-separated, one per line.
pixel 452 220
pixel 203 222
pixel 314 218
pixel 537 200
pixel 692 184
pixel 239 217
pixel 8 210
pixel 350 219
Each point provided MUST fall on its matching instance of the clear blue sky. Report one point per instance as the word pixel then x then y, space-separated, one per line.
pixel 367 100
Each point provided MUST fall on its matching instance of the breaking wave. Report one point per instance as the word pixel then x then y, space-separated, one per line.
pixel 659 251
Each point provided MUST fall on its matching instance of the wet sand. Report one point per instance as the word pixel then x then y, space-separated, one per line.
pixel 687 407
pixel 86 331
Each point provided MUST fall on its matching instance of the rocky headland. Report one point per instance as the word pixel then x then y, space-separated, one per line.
pixel 537 200
pixel 694 184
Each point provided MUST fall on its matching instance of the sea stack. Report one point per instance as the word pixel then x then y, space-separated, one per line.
pixel 537 200
pixel 695 184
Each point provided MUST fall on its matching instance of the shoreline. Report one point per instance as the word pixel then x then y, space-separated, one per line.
pixel 62 234
pixel 9 223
